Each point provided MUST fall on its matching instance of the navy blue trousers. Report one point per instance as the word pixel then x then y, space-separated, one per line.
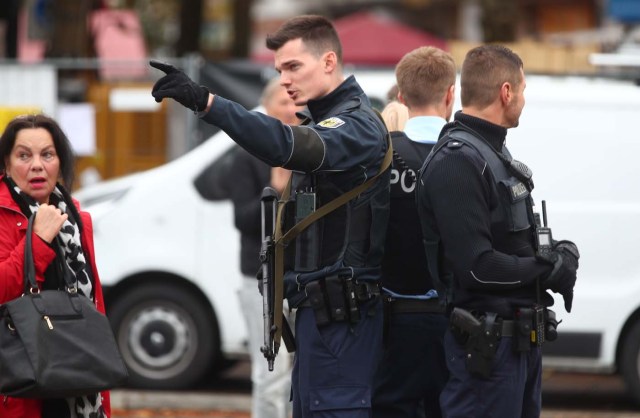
pixel 513 390
pixel 413 369
pixel 334 364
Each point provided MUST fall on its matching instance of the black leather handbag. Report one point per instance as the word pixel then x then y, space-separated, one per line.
pixel 55 343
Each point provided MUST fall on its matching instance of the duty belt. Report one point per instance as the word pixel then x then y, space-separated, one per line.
pixel 363 291
pixel 395 305
pixel 508 328
pixel 338 299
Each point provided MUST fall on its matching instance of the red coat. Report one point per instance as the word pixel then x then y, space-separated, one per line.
pixel 13 226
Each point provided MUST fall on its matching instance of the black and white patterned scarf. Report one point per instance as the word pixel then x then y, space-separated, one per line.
pixel 69 250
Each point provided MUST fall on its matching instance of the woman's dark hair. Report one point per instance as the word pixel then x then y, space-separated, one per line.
pixel 60 142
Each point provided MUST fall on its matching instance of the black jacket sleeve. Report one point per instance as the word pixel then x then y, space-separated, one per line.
pixel 459 190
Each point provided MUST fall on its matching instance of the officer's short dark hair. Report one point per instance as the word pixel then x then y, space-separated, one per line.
pixel 424 75
pixel 317 33
pixel 484 70
pixel 60 142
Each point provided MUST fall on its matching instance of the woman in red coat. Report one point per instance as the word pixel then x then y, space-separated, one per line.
pixel 36 160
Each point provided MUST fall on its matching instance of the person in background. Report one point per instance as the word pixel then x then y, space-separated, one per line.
pixel 413 370
pixel 392 93
pixel 37 166
pixel 479 227
pixel 250 175
pixel 395 115
pixel 332 268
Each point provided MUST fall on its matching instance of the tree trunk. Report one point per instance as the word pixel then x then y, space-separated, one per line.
pixel 499 20
pixel 242 28
pixel 190 24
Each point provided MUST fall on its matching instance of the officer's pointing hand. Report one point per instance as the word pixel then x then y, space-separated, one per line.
pixel 176 85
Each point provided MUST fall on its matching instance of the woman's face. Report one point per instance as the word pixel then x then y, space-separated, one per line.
pixel 34 164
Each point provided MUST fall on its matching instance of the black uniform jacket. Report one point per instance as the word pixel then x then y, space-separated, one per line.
pixel 404 267
pixel 494 269
pixel 344 145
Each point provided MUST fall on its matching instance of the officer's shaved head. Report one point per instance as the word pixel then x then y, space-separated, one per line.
pixel 484 70
pixel 317 34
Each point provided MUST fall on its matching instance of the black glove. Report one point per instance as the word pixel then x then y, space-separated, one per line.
pixel 562 278
pixel 176 85
pixel 568 249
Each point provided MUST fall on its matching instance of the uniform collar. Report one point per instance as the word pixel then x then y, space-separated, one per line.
pixel 424 129
pixel 495 135
pixel 326 106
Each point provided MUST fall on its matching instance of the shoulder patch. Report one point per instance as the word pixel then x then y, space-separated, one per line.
pixel 455 144
pixel 331 123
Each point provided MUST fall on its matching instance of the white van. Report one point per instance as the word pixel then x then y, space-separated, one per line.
pixel 167 249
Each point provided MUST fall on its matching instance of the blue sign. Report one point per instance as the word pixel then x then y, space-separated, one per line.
pixel 625 10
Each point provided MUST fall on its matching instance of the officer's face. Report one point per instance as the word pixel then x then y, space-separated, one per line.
pixel 514 109
pixel 280 106
pixel 304 75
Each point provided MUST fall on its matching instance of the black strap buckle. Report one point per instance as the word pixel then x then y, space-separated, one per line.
pixel 366 290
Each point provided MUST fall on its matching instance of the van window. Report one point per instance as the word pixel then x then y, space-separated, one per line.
pixel 213 182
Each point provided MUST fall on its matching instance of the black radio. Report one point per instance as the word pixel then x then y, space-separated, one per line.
pixel 544 239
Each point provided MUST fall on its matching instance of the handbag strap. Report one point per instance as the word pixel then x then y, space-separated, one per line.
pixel 29 272
pixel 30 284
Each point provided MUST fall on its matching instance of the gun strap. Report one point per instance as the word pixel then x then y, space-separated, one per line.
pixel 282 240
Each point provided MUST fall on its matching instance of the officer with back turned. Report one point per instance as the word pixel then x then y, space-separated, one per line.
pixel 413 372
pixel 332 268
pixel 485 244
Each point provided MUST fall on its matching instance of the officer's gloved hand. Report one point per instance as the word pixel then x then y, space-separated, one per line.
pixel 569 248
pixel 176 85
pixel 562 278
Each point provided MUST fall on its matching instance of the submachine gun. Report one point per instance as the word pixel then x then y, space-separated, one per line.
pixel 275 325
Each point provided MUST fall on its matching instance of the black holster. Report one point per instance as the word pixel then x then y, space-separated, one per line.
pixel 315 298
pixel 522 334
pixel 480 343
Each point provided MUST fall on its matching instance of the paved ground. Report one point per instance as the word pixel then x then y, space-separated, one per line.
pixel 564 396
pixel 143 404
pixel 128 403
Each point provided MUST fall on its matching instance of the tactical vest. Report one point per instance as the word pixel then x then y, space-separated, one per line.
pixel 404 238
pixel 353 233
pixel 512 219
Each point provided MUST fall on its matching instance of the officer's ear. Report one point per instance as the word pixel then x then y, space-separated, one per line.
pixel 400 98
pixel 506 93
pixel 451 95
pixel 330 61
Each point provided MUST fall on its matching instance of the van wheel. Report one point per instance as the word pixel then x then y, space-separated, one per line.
pixel 630 362
pixel 166 336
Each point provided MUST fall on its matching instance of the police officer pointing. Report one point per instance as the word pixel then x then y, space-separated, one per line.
pixel 481 239
pixel 332 268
